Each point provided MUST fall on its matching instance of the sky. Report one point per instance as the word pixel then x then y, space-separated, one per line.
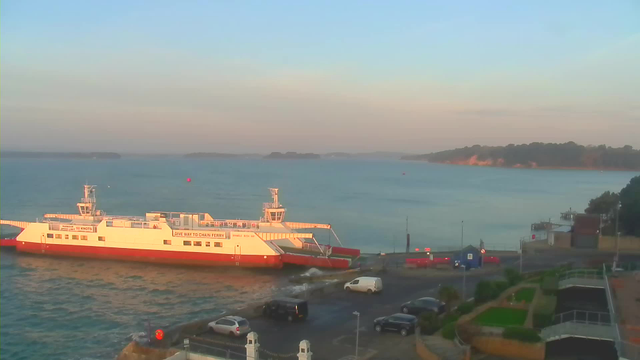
pixel 316 76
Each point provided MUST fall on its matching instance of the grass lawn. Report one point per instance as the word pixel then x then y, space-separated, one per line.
pixel 501 317
pixel 525 294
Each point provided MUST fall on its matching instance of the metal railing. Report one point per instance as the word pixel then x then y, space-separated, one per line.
pixel 584 317
pixel 203 349
pixel 581 274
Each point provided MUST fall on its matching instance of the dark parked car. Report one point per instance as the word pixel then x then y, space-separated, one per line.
pixel 402 323
pixel 286 308
pixel 421 305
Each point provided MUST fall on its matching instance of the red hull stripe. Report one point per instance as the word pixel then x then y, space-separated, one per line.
pixel 345 251
pixel 314 261
pixel 155 256
pixel 7 242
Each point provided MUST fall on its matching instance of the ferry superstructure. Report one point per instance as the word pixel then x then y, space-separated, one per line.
pixel 181 238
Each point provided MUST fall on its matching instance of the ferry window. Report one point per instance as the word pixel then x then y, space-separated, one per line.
pixel 100 238
pixel 74 237
pixel 58 236
pixel 207 243
pixel 109 223
pixel 186 243
pixel 167 242
pixel 197 243
pixel 50 236
pixel 66 237
pixel 217 244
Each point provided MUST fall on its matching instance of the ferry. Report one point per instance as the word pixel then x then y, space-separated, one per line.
pixel 181 238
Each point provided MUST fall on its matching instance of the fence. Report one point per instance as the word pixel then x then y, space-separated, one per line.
pixel 205 349
pixel 583 317
pixel 582 274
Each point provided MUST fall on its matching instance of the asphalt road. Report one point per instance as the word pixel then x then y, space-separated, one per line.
pixel 331 326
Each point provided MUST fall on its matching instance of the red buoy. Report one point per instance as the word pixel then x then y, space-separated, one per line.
pixel 159 334
pixel 188 179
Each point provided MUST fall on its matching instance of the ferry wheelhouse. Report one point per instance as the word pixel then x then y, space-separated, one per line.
pixel 181 238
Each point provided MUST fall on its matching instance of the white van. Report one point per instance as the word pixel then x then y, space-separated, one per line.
pixel 364 284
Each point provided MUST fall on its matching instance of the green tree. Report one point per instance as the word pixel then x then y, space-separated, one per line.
pixel 513 276
pixel 604 204
pixel 448 295
pixel 630 207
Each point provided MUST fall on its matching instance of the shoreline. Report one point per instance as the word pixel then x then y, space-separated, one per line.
pixel 581 168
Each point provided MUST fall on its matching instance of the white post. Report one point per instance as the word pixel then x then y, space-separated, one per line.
pixel 304 352
pixel 252 346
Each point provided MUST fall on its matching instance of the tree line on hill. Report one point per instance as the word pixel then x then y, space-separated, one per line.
pixel 624 205
pixel 537 154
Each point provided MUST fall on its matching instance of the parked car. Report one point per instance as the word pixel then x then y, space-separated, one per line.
pixel 231 325
pixel 365 284
pixel 402 323
pixel 286 308
pixel 417 307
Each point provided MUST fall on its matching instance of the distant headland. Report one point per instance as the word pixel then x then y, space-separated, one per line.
pixel 292 155
pixel 213 155
pixel 539 155
pixel 59 155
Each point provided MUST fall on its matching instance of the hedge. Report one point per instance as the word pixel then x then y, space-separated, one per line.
pixel 485 291
pixel 450 318
pixel 449 331
pixel 466 308
pixel 501 286
pixel 521 334
pixel 429 323
pixel 549 285
pixel 544 310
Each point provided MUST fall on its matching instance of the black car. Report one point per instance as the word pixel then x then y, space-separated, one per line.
pixel 286 308
pixel 421 305
pixel 402 323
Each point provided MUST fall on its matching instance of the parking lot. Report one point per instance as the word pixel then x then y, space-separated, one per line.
pixel 331 326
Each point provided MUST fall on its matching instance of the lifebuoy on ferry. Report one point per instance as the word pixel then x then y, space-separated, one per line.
pixel 155 226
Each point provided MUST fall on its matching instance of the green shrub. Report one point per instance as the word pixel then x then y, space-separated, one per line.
pixel 466 307
pixel 513 276
pixel 449 331
pixel 448 295
pixel 501 286
pixel 521 334
pixel 549 285
pixel 544 310
pixel 485 291
pixel 429 323
pixel 450 318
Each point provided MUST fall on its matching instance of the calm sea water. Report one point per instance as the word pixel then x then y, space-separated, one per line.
pixel 60 308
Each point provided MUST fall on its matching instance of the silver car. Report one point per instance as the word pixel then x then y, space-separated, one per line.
pixel 231 325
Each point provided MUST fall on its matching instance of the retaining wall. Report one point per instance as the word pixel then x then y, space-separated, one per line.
pixel 508 348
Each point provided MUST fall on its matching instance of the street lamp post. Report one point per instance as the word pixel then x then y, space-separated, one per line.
pixel 357 314
pixel 617 237
pixel 521 250
pixel 461 240
pixel 464 282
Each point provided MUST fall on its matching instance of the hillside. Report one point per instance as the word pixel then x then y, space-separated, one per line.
pixel 291 155
pixel 539 155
